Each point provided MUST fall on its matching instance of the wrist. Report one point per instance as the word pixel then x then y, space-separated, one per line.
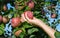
pixel 38 22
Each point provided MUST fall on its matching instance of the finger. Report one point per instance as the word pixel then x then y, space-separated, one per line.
pixel 27 17
pixel 23 18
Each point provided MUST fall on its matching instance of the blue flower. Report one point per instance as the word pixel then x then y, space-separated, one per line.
pixel 58 27
pixel 8 29
pixel 9 6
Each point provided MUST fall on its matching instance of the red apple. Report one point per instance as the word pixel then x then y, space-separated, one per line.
pixel 31 4
pixel 29 14
pixel 1 18
pixel 17 33
pixel 4 7
pixel 15 22
pixel 5 19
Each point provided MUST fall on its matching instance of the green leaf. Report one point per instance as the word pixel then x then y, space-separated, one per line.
pixel 1 32
pixel 27 8
pixel 23 30
pixel 2 29
pixel 2 26
pixel 27 25
pixel 22 34
pixel 32 36
pixel 36 12
pixel 13 36
pixel 57 34
pixel 30 31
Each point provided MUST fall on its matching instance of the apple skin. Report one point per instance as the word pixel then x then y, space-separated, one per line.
pixel 1 18
pixel 17 33
pixel 31 4
pixel 15 22
pixel 5 19
pixel 29 14
pixel 4 7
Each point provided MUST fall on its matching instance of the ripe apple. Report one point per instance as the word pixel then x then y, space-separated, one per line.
pixel 31 4
pixel 5 19
pixel 4 7
pixel 1 18
pixel 15 22
pixel 17 33
pixel 29 14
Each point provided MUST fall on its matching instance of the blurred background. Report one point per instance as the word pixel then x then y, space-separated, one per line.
pixel 46 10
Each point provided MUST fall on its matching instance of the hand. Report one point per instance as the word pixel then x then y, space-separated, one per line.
pixel 31 21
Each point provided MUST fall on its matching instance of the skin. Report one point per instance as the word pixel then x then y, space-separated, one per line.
pixel 40 24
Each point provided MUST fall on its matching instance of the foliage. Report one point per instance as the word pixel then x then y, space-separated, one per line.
pixel 18 7
pixel 57 34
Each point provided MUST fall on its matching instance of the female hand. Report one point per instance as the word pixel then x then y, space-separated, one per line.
pixel 31 21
